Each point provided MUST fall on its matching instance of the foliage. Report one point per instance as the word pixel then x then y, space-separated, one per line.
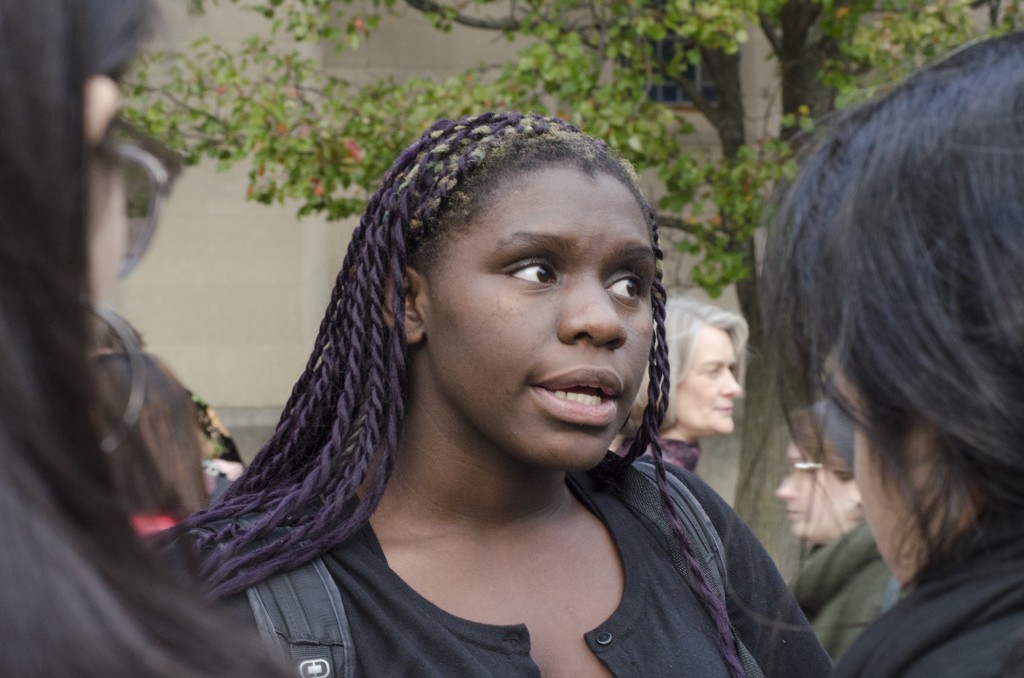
pixel 309 135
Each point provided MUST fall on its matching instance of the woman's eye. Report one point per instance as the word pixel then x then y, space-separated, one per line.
pixel 627 287
pixel 536 273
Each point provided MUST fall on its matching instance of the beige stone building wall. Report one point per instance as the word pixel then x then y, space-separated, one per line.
pixel 232 292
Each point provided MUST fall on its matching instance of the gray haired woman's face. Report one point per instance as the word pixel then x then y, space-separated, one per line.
pixel 703 400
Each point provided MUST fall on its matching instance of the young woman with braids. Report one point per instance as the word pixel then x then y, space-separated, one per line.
pixel 79 594
pixel 446 449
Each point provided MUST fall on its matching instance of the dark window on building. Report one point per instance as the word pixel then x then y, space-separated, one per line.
pixel 666 91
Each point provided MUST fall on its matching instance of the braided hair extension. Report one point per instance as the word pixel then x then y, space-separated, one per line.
pixel 323 471
pixel 646 438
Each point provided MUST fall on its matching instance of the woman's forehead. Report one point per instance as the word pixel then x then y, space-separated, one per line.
pixel 559 203
pixel 793 451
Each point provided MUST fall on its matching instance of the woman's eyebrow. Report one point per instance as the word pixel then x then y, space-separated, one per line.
pixel 715 362
pixel 551 241
pixel 641 254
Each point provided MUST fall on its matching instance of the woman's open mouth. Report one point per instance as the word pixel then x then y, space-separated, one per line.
pixel 581 405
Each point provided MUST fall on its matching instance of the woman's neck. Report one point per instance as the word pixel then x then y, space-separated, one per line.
pixel 676 432
pixel 440 484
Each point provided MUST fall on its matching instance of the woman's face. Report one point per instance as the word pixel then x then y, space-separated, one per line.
pixel 528 338
pixel 885 508
pixel 703 400
pixel 820 505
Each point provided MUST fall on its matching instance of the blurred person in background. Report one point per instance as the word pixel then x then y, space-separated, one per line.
pixel 176 430
pixel 160 477
pixel 707 352
pixel 843 584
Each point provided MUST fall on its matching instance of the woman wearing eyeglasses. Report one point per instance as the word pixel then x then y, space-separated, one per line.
pixel 79 594
pixel 843 584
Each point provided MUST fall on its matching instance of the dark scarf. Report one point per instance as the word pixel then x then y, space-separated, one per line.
pixel 958 625
pixel 679 452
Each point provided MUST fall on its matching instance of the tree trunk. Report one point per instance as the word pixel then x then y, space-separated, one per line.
pixel 803 52
pixel 763 436
pixel 727 116
pixel 763 441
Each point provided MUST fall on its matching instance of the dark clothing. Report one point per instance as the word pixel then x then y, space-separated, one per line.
pixel 659 628
pixel 679 452
pixel 959 625
pixel 841 587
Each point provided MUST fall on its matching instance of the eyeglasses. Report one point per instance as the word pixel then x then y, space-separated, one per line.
pixel 806 468
pixel 129 345
pixel 146 185
pixel 148 170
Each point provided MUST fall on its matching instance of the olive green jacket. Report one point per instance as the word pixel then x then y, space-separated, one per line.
pixel 841 587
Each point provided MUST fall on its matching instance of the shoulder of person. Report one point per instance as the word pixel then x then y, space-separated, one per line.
pixel 184 553
pixel 763 610
pixel 722 515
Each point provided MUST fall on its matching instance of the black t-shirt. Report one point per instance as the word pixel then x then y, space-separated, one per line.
pixel 659 628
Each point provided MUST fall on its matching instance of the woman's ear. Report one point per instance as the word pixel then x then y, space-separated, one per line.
pixel 416 304
pixel 854 505
pixel 102 101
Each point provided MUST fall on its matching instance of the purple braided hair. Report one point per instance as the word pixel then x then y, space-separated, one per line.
pixel 647 438
pixel 323 471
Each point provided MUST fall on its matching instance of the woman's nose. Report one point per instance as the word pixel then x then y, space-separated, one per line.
pixel 732 387
pixel 785 489
pixel 590 315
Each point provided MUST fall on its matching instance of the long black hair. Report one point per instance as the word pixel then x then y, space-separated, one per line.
pixel 324 470
pixel 79 593
pixel 897 265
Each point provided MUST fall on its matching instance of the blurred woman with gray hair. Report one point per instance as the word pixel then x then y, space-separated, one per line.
pixel 707 351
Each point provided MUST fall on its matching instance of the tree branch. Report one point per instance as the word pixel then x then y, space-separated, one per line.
pixel 692 92
pixel 509 23
pixel 770 34
pixel 672 223
pixel 206 115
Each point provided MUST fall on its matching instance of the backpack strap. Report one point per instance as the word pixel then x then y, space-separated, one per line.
pixel 640 493
pixel 301 613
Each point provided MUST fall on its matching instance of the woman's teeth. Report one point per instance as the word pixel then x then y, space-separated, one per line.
pixel 584 398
